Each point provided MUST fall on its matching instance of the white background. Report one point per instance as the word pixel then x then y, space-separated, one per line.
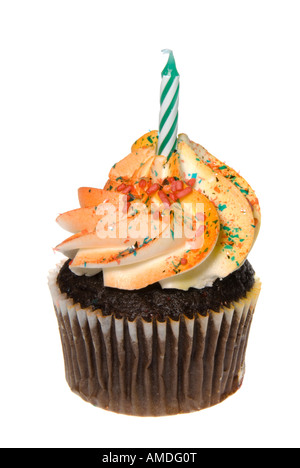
pixel 79 83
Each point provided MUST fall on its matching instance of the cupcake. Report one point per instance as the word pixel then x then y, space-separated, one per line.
pixel 156 296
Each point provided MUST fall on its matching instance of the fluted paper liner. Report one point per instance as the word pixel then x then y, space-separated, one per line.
pixel 153 368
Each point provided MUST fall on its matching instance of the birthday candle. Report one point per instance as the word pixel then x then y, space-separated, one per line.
pixel 169 99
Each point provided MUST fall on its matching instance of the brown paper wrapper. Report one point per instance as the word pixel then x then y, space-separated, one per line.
pixel 157 368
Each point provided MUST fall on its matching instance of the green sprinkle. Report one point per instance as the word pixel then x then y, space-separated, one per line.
pixel 222 207
pixel 246 192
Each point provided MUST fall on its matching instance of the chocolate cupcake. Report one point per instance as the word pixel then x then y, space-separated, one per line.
pixel 156 298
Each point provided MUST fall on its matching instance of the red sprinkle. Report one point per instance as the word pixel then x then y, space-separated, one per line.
pixel 191 182
pixel 127 189
pixel 126 207
pixel 184 192
pixel 164 198
pixel 121 187
pixel 173 197
pixel 179 185
pixel 183 261
pixel 153 189
pixel 173 185
pixel 142 183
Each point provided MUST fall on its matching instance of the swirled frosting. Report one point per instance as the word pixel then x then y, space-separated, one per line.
pixel 130 228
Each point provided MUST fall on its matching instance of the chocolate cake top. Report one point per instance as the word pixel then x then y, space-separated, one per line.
pixel 153 301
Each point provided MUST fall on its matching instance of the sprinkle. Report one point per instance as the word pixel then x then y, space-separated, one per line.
pixel 173 197
pixel 142 183
pixel 184 192
pixel 191 182
pixel 164 198
pixel 121 187
pixel 222 207
pixel 173 185
pixel 126 207
pixel 153 189
pixel 127 189
pixel 179 185
pixel 183 261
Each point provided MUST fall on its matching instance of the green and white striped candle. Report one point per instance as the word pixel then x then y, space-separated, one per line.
pixel 169 100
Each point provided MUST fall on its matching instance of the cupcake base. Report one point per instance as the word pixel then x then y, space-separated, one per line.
pixel 153 368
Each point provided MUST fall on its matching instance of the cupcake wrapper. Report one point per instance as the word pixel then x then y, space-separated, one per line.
pixel 157 368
